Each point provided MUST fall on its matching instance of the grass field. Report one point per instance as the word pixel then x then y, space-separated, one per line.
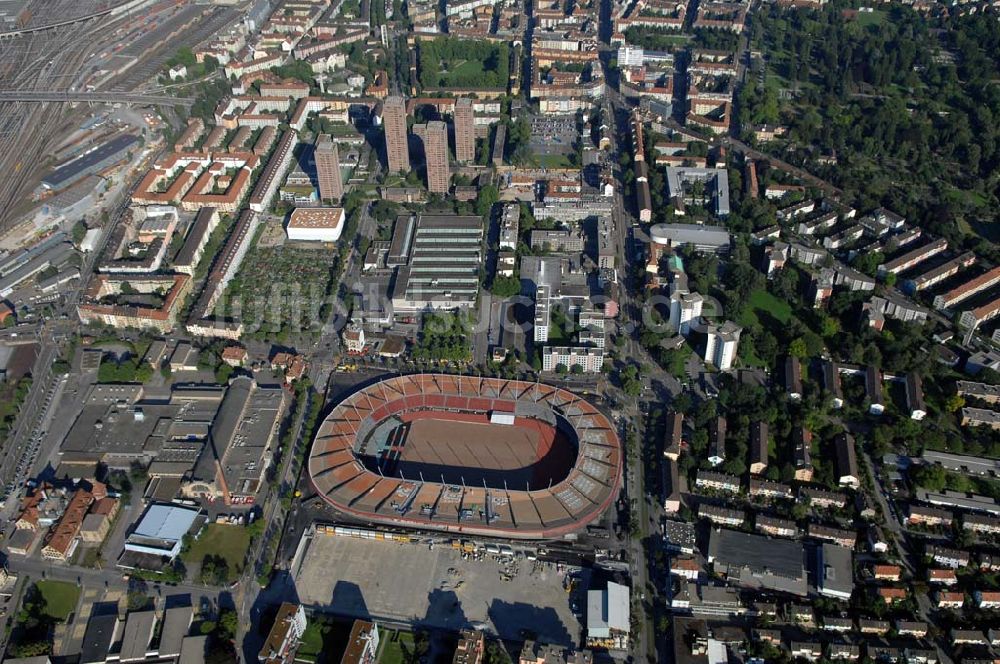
pixel 553 161
pixel 469 68
pixel 399 648
pixel 312 642
pixel 985 230
pixel 221 539
pixel 60 598
pixel 865 19
pixel 764 307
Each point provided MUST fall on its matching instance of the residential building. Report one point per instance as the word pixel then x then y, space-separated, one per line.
pixel 847 461
pixel 510 226
pixel 843 652
pixel 686 568
pixel 839 625
pixel 929 516
pixel 543 313
pixel 873 388
pixel 987 599
pixel 942 577
pixel 691 185
pixel 915 396
pixel 673 438
pixel 283 640
pixel 973 318
pixel 589 359
pixel 684 309
pixel 831 383
pixel 966 501
pixel 953 558
pixel 949 599
pixel 363 642
pixel 205 222
pixel 721 344
pixel 717 441
pixel 968 637
pixel 980 417
pixel 717 481
pixel 886 572
pixel 982 391
pixel 92 307
pixel 981 523
pixel 465 131
pixel 964 291
pixel 892 595
pixel 823 499
pixel 721 516
pixel 435 136
pixel 913 257
pixel 878 627
pixel 758 448
pixel 844 538
pixel 769 490
pixel 989 562
pixel 327 157
pixel 808 650
pixel 914 628
pixel 394 124
pixel 940 273
pixel 793 378
pixel 802 455
pixel 770 525
pixel 671 487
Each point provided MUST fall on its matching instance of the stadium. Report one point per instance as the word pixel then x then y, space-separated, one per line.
pixel 466 454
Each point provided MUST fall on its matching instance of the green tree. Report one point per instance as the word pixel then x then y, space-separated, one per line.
pixel 505 287
pixel 488 195
pixel 228 623
pixel 798 348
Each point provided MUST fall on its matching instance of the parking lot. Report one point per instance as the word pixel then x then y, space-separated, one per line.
pixel 438 588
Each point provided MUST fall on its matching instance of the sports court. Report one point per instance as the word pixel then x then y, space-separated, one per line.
pixel 467 447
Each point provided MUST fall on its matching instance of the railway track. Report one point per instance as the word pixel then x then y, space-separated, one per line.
pixel 43 61
pixel 52 61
